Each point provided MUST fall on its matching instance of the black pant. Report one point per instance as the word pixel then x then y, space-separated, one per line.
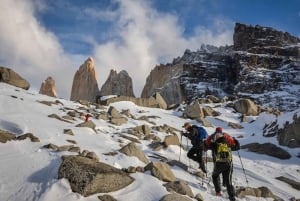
pixel 225 169
pixel 195 153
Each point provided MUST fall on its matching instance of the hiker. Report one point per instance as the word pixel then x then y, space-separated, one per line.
pixel 221 144
pixel 196 134
pixel 87 116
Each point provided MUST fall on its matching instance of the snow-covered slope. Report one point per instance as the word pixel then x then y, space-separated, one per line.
pixel 29 172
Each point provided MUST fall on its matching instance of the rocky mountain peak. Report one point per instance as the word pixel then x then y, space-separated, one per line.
pixel 117 84
pixel 85 86
pixel 247 36
pixel 48 87
pixel 262 62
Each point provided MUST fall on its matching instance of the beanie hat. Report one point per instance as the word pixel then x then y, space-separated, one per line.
pixel 219 130
pixel 186 125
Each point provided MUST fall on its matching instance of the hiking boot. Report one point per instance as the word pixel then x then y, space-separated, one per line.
pixel 232 199
pixel 218 194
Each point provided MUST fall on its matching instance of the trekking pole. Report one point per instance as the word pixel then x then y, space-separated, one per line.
pixel 187 142
pixel 180 147
pixel 243 167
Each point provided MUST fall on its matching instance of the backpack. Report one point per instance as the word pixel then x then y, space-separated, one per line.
pixel 202 134
pixel 237 145
pixel 223 152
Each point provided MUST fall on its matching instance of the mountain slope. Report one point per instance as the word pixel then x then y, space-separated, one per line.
pixel 29 171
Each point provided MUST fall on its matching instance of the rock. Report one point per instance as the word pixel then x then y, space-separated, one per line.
pixel 268 149
pixel 88 124
pixel 179 187
pixel 106 198
pixel 88 177
pixel 161 170
pixel 132 150
pixel 9 76
pixel 247 107
pixel 171 140
pixel 256 192
pixel 30 136
pixel 85 86
pixel 193 111
pixel 117 84
pixel 48 87
pixel 6 136
pixel 175 197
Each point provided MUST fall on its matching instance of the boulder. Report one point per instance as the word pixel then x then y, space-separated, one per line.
pixel 161 170
pixel 179 187
pixel 9 76
pixel 175 197
pixel 132 150
pixel 88 177
pixel 246 107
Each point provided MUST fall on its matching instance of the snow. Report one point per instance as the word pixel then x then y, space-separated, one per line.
pixel 30 172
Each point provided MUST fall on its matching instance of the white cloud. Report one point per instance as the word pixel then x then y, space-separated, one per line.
pixel 29 49
pixel 141 38
pixel 146 37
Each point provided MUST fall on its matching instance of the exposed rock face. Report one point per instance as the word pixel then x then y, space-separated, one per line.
pixel 160 80
pixel 117 84
pixel 289 134
pixel 85 86
pixel 155 101
pixel 261 62
pixel 48 87
pixel 247 37
pixel 9 76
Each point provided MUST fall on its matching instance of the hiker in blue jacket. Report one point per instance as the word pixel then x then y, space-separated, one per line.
pixel 196 134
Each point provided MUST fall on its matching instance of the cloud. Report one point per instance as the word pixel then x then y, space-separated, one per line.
pixel 138 38
pixel 144 37
pixel 29 49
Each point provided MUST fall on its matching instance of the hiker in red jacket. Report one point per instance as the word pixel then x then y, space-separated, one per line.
pixel 87 116
pixel 221 144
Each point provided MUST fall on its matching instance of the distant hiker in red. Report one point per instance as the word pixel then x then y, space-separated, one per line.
pixel 221 144
pixel 87 116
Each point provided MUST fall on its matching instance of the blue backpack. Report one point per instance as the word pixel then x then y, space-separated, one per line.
pixel 202 134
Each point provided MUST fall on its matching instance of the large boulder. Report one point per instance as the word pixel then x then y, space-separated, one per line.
pixel 87 176
pixel 9 76
pixel 48 87
pixel 246 107
pixel 85 86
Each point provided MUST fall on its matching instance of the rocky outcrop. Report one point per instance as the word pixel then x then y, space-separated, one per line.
pixel 268 149
pixel 261 61
pixel 87 176
pixel 117 84
pixel 9 76
pixel 85 86
pixel 287 134
pixel 161 79
pixel 48 87
pixel 155 101
pixel 246 37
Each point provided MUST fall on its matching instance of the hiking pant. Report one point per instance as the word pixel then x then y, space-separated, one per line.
pixel 195 153
pixel 225 169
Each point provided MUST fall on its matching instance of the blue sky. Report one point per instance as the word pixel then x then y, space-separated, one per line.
pixel 43 38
